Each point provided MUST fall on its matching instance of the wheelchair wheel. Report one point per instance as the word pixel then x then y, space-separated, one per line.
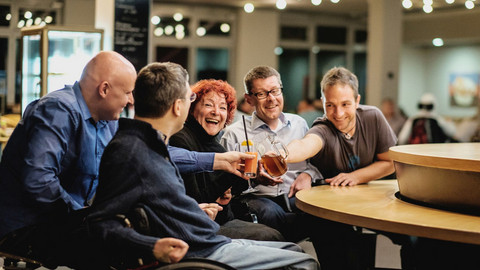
pixel 196 264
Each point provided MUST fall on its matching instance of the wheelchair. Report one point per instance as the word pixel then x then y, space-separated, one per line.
pixel 13 262
pixel 137 219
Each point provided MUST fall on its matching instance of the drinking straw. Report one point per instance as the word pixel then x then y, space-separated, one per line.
pixel 246 136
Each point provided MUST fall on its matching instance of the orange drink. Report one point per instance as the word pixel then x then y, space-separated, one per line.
pixel 251 165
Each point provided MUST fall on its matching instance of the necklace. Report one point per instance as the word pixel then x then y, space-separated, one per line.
pixel 348 136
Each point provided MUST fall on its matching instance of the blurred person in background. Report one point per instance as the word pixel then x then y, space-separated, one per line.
pixel 395 118
pixel 426 126
pixel 307 110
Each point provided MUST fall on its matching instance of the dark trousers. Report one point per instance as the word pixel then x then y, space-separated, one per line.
pixel 341 246
pixel 279 213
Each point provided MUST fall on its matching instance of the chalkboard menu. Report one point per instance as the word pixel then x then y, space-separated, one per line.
pixel 131 30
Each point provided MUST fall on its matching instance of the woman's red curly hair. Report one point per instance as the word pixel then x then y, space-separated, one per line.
pixel 203 87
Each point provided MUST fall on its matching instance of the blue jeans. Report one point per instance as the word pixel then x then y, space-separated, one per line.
pixel 250 254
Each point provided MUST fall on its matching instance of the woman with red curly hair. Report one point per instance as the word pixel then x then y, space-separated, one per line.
pixel 213 109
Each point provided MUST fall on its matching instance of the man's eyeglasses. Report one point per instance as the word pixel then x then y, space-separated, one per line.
pixel 264 94
pixel 193 96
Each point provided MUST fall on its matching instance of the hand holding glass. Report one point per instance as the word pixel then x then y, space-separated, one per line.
pixel 250 167
pixel 273 154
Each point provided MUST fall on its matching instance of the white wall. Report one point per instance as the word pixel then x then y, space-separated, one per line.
pixel 79 13
pixel 428 70
pixel 257 38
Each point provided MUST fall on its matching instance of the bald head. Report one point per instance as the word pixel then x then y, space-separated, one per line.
pixel 106 83
pixel 104 67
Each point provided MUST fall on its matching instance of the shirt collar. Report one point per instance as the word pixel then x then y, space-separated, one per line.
pixel 161 136
pixel 258 123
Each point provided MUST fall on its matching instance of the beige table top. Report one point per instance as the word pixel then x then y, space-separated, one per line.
pixel 375 206
pixel 454 156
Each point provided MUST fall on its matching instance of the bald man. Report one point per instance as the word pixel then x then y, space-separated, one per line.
pixel 50 164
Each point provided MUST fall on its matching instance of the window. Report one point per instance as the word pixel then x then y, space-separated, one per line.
pixel 293 33
pixel 293 67
pixel 5 15
pixel 325 61
pixel 177 55
pixel 361 37
pixel 205 50
pixel 212 64
pixel 332 35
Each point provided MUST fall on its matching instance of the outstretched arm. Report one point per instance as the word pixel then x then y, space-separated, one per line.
pixel 300 150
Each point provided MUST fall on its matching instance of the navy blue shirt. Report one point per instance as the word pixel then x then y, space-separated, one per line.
pixel 51 161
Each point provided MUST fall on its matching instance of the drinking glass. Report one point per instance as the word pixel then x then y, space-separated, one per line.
pixel 250 168
pixel 273 154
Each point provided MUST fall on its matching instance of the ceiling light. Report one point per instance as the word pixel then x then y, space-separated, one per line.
pixel 278 51
pixel 407 4
pixel 169 30
pixel 316 2
pixel 178 16
pixel 427 8
pixel 48 19
pixel 179 35
pixel 248 7
pixel 450 1
pixel 27 15
pixel 155 20
pixel 225 27
pixel 469 4
pixel 158 31
pixel 334 1
pixel 8 17
pixel 179 28
pixel 281 4
pixel 21 24
pixel 437 42
pixel 201 31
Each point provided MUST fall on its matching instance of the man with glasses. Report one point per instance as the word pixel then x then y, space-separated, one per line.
pixel 274 201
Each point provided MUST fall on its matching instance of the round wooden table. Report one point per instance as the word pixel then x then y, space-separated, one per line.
pixel 445 175
pixel 375 206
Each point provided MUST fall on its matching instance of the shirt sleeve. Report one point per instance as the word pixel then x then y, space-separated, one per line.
pixel 191 161
pixel 49 130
